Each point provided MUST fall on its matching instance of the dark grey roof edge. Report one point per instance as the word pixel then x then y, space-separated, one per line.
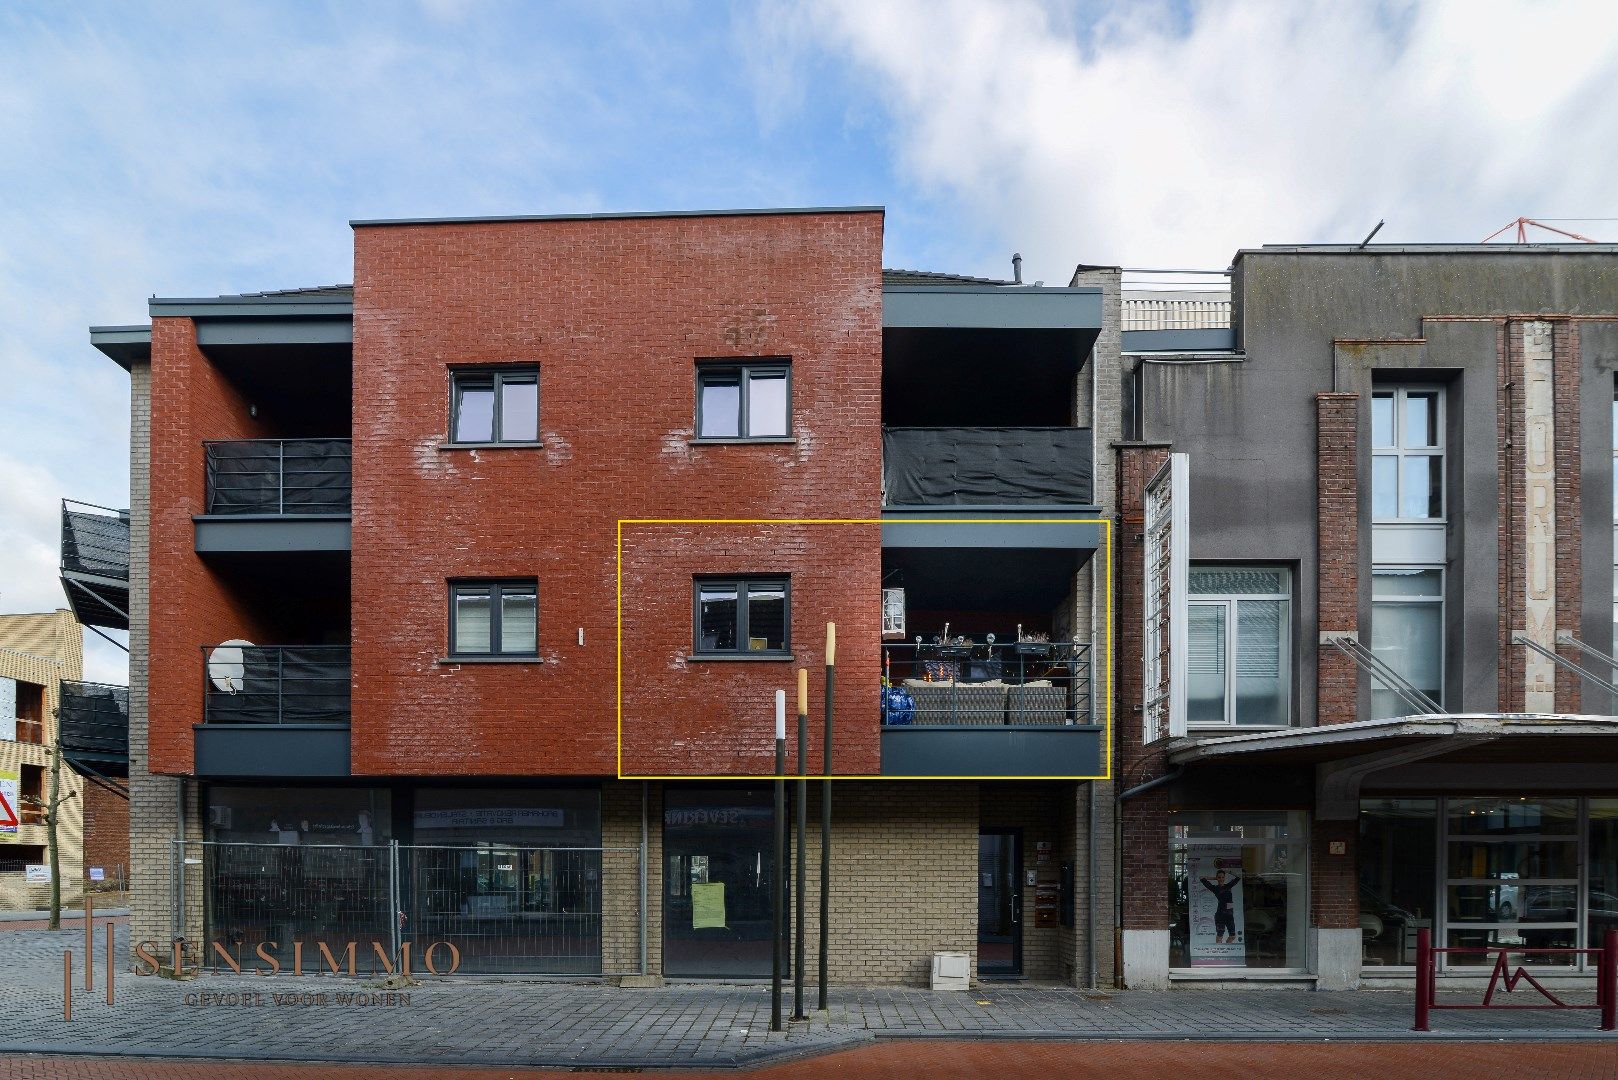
pixel 123 345
pixel 1431 249
pixel 618 215
pixel 996 290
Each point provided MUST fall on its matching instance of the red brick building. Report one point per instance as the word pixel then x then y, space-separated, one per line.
pixel 454 572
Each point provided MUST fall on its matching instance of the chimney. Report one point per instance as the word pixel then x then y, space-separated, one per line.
pixel 1016 267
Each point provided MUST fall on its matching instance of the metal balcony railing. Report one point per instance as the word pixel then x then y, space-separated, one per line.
pixel 1175 314
pixel 95 563
pixel 94 725
pixel 979 684
pixel 994 466
pixel 291 684
pixel 280 476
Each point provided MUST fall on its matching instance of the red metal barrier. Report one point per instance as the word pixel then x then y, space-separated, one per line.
pixel 1501 974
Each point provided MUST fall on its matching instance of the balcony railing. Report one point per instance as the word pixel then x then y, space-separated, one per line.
pixel 94 721
pixel 982 684
pixel 95 563
pixel 280 476
pixel 1142 313
pixel 294 684
pixel 935 466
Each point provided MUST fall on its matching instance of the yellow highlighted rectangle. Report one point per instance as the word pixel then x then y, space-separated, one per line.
pixel 1107 638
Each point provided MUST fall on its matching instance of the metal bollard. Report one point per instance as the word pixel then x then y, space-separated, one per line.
pixel 1424 988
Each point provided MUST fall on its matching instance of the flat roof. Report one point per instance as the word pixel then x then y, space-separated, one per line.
pixel 1430 249
pixel 618 215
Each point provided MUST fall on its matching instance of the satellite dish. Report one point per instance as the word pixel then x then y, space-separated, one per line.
pixel 225 667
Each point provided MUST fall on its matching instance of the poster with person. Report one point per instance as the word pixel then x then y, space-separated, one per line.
pixel 1215 887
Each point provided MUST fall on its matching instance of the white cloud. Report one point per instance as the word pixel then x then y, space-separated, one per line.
pixel 1143 138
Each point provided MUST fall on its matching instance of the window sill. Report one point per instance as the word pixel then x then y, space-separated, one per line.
pixel 779 440
pixel 488 660
pixel 707 657
pixel 490 445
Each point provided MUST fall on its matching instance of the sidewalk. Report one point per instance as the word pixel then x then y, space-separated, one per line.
pixel 551 1023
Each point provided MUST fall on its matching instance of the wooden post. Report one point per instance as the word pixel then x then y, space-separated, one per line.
pixel 67 984
pixel 108 925
pixel 89 939
pixel 825 807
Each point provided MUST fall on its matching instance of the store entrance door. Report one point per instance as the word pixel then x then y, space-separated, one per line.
pixel 1000 902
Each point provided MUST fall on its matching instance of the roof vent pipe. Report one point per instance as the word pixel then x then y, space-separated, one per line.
pixel 1016 268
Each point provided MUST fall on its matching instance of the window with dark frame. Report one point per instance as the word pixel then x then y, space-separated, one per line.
pixel 490 406
pixel 751 400
pixel 742 616
pixel 494 618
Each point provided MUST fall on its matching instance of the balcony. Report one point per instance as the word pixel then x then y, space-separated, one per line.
pixel 1178 321
pixel 990 708
pixel 277 495
pixel 279 711
pixel 95 564
pixel 94 723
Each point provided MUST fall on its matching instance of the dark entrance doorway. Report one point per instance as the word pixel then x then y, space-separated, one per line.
pixel 1000 902
pixel 718 851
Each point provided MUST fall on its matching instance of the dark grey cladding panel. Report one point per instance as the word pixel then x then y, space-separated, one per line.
pixel 991 307
pixel 1043 751
pixel 1215 339
pixel 288 751
pixel 1064 528
pixel 243 533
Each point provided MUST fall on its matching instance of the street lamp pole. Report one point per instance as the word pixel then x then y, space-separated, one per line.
pixel 778 876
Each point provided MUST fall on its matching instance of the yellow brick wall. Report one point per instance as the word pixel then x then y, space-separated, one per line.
pixel 44 649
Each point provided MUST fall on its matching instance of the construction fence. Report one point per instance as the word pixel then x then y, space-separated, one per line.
pixel 505 910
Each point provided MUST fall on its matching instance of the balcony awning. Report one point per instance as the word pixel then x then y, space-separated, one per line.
pixel 1343 755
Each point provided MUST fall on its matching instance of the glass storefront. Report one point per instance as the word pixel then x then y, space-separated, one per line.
pixel 299 815
pixel 1238 894
pixel 1487 871
pixel 718 850
pixel 1397 874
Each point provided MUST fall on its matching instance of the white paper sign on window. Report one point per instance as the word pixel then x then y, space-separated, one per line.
pixel 1168 551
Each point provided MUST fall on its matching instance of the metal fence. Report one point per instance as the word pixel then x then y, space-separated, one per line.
pixel 276 684
pixel 504 909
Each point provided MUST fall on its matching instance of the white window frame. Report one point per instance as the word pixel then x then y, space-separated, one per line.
pixel 1229 602
pixel 1399 598
pixel 1399 451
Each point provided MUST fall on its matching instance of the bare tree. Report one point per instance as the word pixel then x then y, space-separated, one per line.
pixel 52 807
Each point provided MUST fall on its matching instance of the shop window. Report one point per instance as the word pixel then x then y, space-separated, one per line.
pixel 744 401
pixel 1238 890
pixel 1407 633
pixel 742 617
pixel 1407 456
pixel 1512 876
pixel 717 909
pixel 1239 646
pixel 298 815
pixel 494 405
pixel 494 618
pixel 1601 912
pixel 1398 851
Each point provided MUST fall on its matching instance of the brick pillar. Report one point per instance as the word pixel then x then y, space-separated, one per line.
pixel 1333 882
pixel 1143 820
pixel 1337 524
pixel 1569 538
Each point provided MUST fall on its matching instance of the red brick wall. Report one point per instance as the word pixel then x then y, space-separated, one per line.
pixel 708 716
pixel 1144 820
pixel 191 605
pixel 1337 517
pixel 106 828
pixel 615 312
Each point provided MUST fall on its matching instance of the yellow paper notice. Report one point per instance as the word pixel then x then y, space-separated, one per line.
pixel 708 905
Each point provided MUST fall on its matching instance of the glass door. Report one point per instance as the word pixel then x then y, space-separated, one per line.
pixel 1512 869
pixel 1000 902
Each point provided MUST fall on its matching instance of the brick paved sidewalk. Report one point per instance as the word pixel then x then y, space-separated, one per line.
pixel 543 1022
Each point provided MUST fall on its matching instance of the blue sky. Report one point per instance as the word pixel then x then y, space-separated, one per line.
pixel 192 149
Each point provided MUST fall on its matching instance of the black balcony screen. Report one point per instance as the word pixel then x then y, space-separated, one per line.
pixel 95 543
pixel 94 719
pixel 986 466
pixel 269 476
pixel 289 685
